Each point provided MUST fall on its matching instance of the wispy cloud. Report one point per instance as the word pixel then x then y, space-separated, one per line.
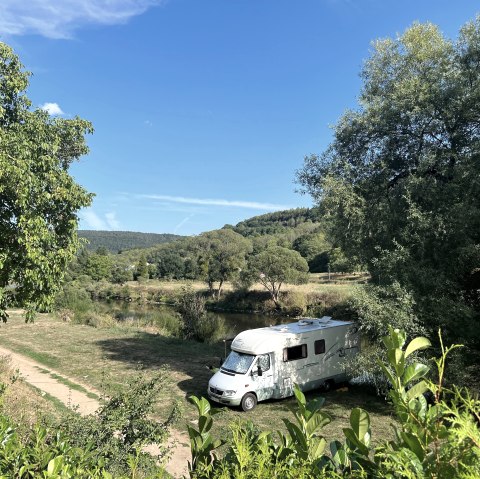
pixel 60 18
pixel 95 222
pixel 218 202
pixel 53 109
pixel 185 220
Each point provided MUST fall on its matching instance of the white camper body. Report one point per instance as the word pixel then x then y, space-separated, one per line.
pixel 266 362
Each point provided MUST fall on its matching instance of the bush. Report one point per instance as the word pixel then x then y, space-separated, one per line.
pixel 197 323
pixel 73 298
pixel 210 329
pixel 122 427
pixel 294 303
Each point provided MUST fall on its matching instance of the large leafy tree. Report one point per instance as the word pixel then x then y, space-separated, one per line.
pixel 400 183
pixel 276 266
pixel 221 255
pixel 39 200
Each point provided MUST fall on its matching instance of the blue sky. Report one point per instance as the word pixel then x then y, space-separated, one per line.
pixel 203 109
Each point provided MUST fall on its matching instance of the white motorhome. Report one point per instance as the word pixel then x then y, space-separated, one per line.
pixel 266 362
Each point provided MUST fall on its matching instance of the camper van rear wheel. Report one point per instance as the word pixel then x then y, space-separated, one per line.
pixel 249 401
pixel 328 385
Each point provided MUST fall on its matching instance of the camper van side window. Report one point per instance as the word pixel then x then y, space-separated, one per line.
pixel 320 346
pixel 295 352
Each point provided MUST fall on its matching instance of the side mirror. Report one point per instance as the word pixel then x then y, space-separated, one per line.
pixel 259 369
pixel 221 362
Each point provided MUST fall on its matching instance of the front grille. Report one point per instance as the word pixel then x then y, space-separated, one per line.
pixel 216 391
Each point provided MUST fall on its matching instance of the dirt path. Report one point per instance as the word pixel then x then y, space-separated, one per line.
pixel 43 379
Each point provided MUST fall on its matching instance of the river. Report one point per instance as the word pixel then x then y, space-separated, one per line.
pixel 235 322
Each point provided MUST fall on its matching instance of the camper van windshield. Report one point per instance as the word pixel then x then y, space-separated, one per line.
pixel 238 362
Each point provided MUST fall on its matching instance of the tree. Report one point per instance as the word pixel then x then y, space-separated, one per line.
pixel 98 266
pixel 276 266
pixel 313 247
pixel 120 274
pixel 141 270
pixel 39 200
pixel 400 186
pixel 221 256
pixel 170 262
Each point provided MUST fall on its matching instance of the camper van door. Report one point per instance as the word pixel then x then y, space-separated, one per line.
pixel 262 375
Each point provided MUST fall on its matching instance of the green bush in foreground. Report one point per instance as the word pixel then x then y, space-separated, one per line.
pixel 439 440
pixel 109 444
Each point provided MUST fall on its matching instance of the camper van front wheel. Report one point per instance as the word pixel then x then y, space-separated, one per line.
pixel 249 401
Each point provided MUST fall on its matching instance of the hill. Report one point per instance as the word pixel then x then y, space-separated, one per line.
pixel 115 241
pixel 277 222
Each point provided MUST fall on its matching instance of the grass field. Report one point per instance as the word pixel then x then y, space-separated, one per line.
pixel 106 357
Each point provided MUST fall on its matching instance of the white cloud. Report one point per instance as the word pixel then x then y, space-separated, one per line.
pixel 60 18
pixel 52 108
pixel 92 220
pixel 95 222
pixel 218 202
pixel 112 221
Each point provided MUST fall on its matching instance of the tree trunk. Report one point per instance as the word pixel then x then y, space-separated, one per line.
pixel 220 286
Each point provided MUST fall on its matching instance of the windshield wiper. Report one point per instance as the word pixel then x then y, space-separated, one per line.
pixel 229 370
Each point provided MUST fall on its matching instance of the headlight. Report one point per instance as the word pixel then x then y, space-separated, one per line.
pixel 230 393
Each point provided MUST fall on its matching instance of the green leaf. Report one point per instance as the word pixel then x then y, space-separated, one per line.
pixel 413 444
pixel 205 424
pixel 416 345
pixel 339 455
pixel 360 422
pixel 317 446
pixel 417 390
pixel 414 371
pixel 396 358
pixel 354 443
pixel 299 395
pixel 317 421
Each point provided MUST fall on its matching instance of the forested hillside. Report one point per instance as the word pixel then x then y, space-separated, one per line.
pixel 115 241
pixel 277 222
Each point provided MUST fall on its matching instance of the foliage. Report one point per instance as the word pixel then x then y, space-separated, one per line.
pixel 121 428
pixel 98 266
pixel 117 241
pixel 221 255
pixel 439 440
pixel 39 200
pixel 197 323
pixel 45 454
pixel 276 266
pixel 277 222
pixel 398 187
pixel 106 445
pixel 314 246
pixel 141 269
pixel 202 444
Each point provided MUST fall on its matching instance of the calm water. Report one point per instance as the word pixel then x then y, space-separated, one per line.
pixel 235 322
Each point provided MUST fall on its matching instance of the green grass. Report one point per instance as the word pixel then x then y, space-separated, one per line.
pixel 106 358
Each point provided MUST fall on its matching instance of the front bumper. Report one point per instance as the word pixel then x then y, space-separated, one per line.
pixel 229 400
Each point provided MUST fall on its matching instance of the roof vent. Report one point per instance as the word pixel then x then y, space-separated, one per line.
pixel 305 322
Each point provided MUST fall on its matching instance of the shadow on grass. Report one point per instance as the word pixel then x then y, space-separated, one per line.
pixel 153 351
pixel 191 359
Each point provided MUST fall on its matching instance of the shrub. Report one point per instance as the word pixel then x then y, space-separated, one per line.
pixel 294 303
pixel 122 427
